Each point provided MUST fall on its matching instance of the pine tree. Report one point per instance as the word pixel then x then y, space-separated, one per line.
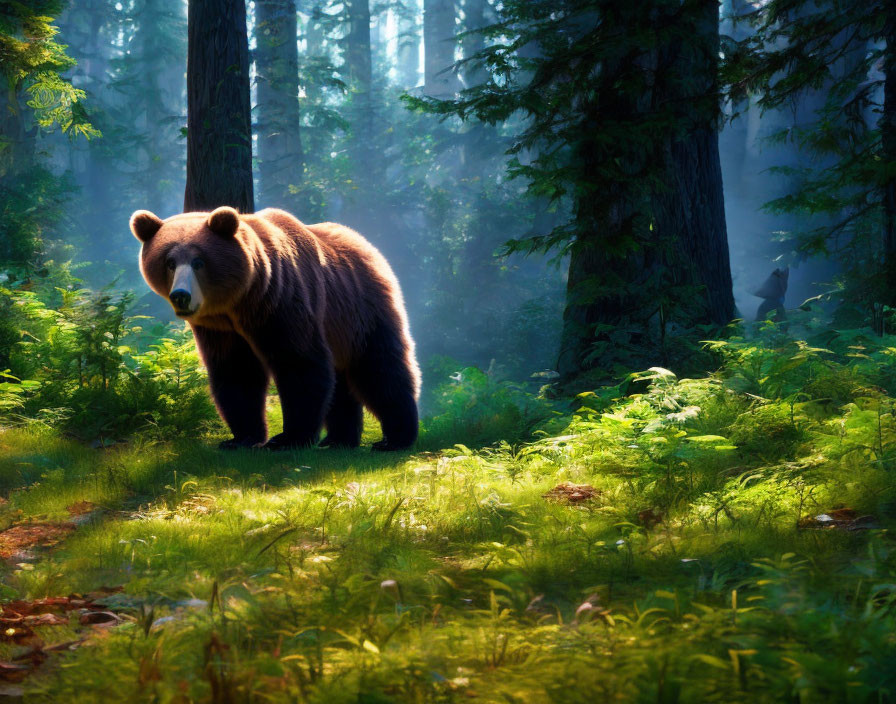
pixel 607 133
pixel 439 31
pixel 280 158
pixel 35 98
pixel 845 182
pixel 219 126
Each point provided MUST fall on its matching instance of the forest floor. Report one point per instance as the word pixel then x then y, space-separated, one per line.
pixel 695 542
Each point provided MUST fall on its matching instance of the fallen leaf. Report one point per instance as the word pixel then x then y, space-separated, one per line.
pixel 15 634
pixel 539 607
pixel 840 519
pixel 843 515
pixel 79 508
pixel 26 535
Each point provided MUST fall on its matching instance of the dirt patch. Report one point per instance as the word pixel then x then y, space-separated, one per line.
pixel 569 493
pixel 80 508
pixel 19 538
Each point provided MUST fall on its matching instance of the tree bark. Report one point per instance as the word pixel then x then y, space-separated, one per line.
pixel 651 244
pixel 409 48
pixel 474 20
pixel 359 74
pixel 608 305
pixel 440 80
pixel 160 70
pixel 219 127
pixel 280 157
pixel 690 210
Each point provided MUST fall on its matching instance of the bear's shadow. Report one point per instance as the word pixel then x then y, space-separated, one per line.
pixel 201 461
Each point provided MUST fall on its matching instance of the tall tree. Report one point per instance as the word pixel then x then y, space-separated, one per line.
pixel 359 71
pixel 609 299
pixel 605 132
pixel 439 31
pixel 844 181
pixel 888 150
pixel 408 54
pixel 35 97
pixel 690 209
pixel 156 66
pixel 219 126
pixel 280 157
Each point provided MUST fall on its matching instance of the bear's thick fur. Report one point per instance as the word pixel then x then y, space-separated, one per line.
pixel 316 307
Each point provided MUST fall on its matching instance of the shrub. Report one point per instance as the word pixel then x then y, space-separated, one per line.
pixel 89 368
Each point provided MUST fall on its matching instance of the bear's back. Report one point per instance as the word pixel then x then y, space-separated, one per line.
pixel 337 244
pixel 359 288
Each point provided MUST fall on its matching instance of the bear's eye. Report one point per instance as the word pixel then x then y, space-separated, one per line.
pixel 171 264
pixel 197 263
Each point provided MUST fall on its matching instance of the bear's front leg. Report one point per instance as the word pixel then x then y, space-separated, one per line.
pixel 239 384
pixel 303 373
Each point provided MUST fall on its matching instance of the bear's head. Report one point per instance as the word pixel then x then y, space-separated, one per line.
pixel 201 263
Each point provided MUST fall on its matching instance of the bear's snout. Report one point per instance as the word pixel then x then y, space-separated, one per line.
pixel 186 293
pixel 181 300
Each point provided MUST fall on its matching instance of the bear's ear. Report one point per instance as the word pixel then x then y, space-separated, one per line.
pixel 144 225
pixel 224 221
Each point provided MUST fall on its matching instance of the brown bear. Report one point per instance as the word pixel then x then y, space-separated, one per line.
pixel 316 307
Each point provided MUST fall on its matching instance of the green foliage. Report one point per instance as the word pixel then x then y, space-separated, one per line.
pixel 31 207
pixel 828 55
pixel 32 61
pixel 473 408
pixel 591 100
pixel 696 572
pixel 34 98
pixel 86 366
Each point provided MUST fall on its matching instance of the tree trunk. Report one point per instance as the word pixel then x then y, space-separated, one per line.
pixel 409 48
pixel 690 210
pixel 280 157
pixel 439 32
pixel 161 96
pixel 888 145
pixel 608 302
pixel 219 127
pixel 312 30
pixel 474 19
pixel 598 298
pixel 18 156
pixel 651 247
pixel 359 74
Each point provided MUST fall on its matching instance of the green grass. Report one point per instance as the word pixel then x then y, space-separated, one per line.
pixel 352 576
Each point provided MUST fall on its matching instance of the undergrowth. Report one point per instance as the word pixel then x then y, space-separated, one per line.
pixel 698 570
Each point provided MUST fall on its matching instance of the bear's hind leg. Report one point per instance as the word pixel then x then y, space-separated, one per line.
pixel 386 385
pixel 302 367
pixel 345 418
pixel 239 384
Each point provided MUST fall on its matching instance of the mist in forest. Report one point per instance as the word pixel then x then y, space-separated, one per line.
pixel 337 136
pixel 433 197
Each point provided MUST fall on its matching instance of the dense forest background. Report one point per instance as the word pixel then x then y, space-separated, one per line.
pixel 522 194
pixel 626 487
